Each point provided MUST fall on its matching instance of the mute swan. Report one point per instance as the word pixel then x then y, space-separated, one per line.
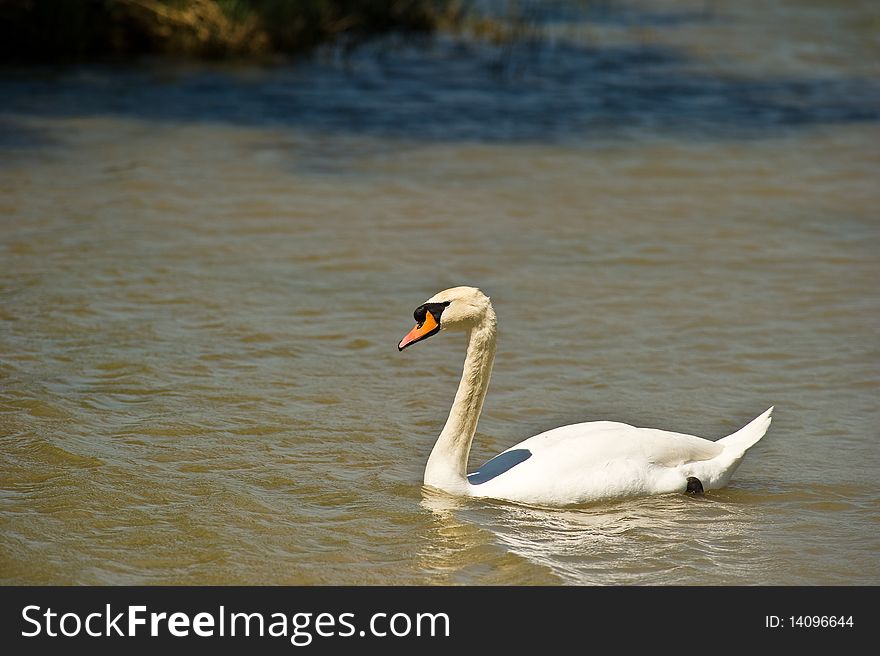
pixel 569 465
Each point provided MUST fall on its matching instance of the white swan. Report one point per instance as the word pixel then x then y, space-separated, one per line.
pixel 569 465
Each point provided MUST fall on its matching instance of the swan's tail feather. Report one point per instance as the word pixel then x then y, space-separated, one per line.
pixel 748 435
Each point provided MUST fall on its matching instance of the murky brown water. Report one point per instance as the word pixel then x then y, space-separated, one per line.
pixel 205 273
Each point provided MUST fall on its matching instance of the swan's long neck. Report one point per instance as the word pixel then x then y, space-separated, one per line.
pixel 447 465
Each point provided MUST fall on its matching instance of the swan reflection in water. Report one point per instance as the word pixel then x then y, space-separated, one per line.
pixel 628 542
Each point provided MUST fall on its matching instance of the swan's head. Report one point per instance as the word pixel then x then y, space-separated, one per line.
pixel 458 308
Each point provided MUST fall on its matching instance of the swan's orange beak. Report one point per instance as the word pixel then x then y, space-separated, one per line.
pixel 422 331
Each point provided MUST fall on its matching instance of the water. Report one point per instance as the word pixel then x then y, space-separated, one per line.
pixel 206 270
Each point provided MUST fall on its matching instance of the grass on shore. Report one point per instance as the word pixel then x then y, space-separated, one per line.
pixel 76 30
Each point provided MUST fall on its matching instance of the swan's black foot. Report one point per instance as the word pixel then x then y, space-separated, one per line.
pixel 695 487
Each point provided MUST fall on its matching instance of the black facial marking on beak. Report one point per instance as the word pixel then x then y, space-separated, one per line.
pixel 436 309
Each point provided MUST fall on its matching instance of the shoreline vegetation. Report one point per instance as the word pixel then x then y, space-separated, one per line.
pixel 53 31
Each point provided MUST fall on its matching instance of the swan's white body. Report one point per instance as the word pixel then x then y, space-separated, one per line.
pixel 569 465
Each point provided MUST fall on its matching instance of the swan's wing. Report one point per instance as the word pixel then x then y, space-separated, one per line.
pixel 674 449
pixel 589 461
pixel 608 440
